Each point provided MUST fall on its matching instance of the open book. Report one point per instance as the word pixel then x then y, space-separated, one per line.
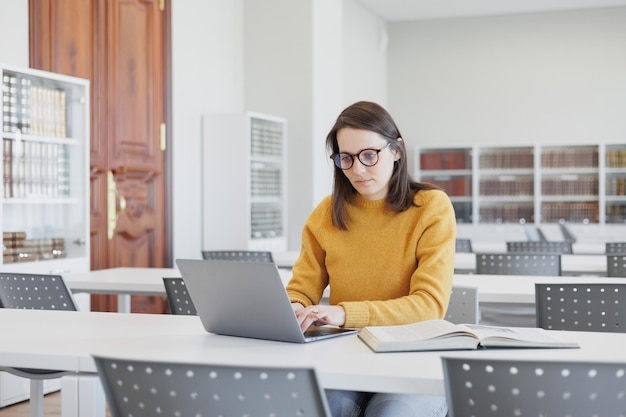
pixel 443 335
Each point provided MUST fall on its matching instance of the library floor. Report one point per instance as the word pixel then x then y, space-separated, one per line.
pixel 51 408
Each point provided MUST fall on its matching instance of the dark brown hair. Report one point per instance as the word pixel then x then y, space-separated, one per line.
pixel 366 115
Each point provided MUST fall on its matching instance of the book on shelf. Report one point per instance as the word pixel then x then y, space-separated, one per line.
pixel 444 335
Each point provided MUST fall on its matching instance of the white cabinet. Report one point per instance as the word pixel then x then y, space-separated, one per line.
pixel 45 187
pixel 530 184
pixel 244 188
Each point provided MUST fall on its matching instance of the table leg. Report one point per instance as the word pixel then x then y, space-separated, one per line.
pixel 82 396
pixel 123 303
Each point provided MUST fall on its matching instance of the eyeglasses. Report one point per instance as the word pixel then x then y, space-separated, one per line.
pixel 368 157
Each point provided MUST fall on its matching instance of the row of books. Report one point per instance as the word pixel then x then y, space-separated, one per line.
pixel 616 213
pixel 18 248
pixel 32 109
pixel 507 213
pixel 574 212
pixel 452 159
pixel 518 186
pixel 266 221
pixel 507 159
pixel 616 158
pixel 265 182
pixel 35 169
pixel 570 158
pixel 582 185
pixel 457 186
pixel 266 138
pixel 616 186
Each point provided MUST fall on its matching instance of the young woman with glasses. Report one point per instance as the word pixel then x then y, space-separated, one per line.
pixel 383 242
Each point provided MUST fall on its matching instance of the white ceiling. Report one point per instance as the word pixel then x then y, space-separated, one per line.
pixel 398 10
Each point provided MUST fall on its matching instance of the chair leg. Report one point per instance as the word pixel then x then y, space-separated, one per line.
pixel 36 398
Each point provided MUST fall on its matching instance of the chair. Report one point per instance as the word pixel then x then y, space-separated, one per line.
pixel 534 234
pixel 615 247
pixel 178 297
pixel 568 234
pixel 464 245
pixel 616 265
pixel 581 307
pixel 463 307
pixel 37 292
pixel 238 255
pixel 539 247
pixel 142 388
pixel 518 264
pixel 500 387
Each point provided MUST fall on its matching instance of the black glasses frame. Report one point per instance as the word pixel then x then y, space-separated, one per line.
pixel 336 157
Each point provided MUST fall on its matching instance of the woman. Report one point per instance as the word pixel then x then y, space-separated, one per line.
pixel 383 242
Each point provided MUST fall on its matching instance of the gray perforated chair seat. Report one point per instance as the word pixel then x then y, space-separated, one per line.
pixel 178 297
pixel 539 247
pixel 238 255
pixel 588 307
pixel 498 387
pixel 518 264
pixel 464 305
pixel 148 389
pixel 616 265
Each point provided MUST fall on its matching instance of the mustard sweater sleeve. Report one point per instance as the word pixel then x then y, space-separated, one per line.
pixel 387 268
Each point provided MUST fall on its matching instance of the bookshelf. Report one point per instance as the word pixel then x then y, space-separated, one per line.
pixel 45 188
pixel 535 184
pixel 450 169
pixel 244 182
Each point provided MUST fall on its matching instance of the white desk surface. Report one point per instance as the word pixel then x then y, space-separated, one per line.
pixel 491 288
pixel 519 289
pixel 592 264
pixel 66 340
pixel 587 263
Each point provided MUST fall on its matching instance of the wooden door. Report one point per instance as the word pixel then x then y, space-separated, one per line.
pixel 122 46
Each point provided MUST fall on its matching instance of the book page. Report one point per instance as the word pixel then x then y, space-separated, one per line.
pixel 415 331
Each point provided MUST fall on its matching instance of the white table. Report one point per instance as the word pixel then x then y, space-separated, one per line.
pixel 592 264
pixel 519 289
pixel 67 340
pixel 127 281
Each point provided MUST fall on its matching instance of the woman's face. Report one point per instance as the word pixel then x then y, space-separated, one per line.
pixel 372 182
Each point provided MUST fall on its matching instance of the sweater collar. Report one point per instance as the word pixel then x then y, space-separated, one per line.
pixel 359 201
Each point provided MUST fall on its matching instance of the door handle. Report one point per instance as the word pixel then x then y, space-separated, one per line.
pixel 112 212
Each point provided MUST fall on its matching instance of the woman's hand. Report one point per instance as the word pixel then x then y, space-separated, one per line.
pixel 319 315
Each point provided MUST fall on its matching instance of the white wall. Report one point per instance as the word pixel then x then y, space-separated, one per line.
pixel 207 67
pixel 530 78
pixel 14 46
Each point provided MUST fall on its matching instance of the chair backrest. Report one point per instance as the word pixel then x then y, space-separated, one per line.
pixel 463 306
pixel 238 255
pixel 500 387
pixel 518 264
pixel 568 234
pixel 147 389
pixel 615 247
pixel 464 245
pixel 588 307
pixel 35 292
pixel 526 246
pixel 178 297
pixel 616 265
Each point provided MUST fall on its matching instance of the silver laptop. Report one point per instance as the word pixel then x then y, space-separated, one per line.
pixel 246 299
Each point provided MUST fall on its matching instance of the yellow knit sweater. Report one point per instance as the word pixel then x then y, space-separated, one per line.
pixel 388 268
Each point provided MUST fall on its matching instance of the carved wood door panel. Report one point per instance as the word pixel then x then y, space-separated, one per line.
pixel 121 46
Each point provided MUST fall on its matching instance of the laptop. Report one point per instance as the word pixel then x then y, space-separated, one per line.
pixel 246 299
